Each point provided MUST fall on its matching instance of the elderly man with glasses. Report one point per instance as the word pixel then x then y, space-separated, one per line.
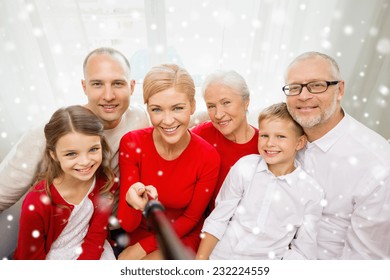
pixel 350 161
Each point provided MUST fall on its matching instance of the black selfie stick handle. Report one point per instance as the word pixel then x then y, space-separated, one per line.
pixel 170 245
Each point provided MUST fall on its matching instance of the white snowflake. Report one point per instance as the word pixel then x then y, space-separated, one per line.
pixel 384 90
pixel 383 46
pixel 123 240
pixel 45 199
pixel 271 255
pixel 256 230
pixel 323 202
pixel 35 233
pixel 79 250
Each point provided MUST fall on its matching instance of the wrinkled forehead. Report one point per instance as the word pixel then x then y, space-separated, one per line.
pixel 309 69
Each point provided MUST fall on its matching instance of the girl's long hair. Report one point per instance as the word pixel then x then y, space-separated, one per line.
pixel 75 119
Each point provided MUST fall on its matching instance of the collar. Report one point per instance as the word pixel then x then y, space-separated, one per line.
pixel 330 138
pixel 291 179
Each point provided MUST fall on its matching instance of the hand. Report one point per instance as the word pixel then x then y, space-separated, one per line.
pixel 137 195
pixel 133 252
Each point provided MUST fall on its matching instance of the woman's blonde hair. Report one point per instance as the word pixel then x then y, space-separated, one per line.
pixel 166 76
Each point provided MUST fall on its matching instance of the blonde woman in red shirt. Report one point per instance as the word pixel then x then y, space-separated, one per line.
pixel 166 160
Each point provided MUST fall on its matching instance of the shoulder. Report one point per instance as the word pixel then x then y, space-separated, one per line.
pixel 246 167
pixel 101 180
pixel 202 152
pixel 308 184
pixel 203 128
pixel 37 197
pixel 251 160
pixel 366 141
pixel 33 137
pixel 200 142
pixel 248 163
pixel 137 139
pixel 138 134
pixel 136 109
pixel 135 117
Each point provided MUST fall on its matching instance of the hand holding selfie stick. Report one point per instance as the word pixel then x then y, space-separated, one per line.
pixel 170 245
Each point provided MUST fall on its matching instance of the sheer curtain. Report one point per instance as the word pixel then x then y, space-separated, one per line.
pixel 43 44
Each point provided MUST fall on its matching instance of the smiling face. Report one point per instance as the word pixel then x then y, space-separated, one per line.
pixel 279 142
pixel 79 155
pixel 227 109
pixel 170 112
pixel 310 110
pixel 108 88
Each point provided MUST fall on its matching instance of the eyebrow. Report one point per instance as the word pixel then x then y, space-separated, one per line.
pixel 100 80
pixel 174 105
pixel 76 150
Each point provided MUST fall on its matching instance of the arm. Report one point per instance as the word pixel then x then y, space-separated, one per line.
pixel 228 198
pixel 138 195
pixel 133 252
pixel 92 247
pixel 368 236
pixel 31 230
pixel 304 244
pixel 207 175
pixel 206 246
pixel 230 195
pixel 19 168
pixel 129 218
pixel 204 188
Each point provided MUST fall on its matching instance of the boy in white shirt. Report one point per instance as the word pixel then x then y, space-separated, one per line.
pixel 268 207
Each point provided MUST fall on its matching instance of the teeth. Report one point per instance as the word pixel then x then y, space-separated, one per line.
pixel 109 106
pixel 170 129
pixel 84 170
pixel 272 152
pixel 223 123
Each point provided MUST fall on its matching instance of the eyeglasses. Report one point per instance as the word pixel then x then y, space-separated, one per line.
pixel 312 87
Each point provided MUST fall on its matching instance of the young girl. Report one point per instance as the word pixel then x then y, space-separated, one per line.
pixel 65 215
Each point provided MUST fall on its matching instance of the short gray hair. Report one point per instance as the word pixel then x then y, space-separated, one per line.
pixel 230 79
pixel 334 65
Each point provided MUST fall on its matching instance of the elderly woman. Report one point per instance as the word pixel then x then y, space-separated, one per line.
pixel 166 160
pixel 227 99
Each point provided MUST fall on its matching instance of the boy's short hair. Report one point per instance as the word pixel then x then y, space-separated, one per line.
pixel 279 111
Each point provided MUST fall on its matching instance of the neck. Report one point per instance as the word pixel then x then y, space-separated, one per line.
pixel 170 151
pixel 243 134
pixel 110 125
pixel 72 190
pixel 316 132
pixel 281 169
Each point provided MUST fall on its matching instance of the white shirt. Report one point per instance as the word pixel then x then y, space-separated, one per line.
pixel 352 164
pixel 68 244
pixel 258 214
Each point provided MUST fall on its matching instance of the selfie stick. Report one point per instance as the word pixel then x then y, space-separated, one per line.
pixel 170 245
